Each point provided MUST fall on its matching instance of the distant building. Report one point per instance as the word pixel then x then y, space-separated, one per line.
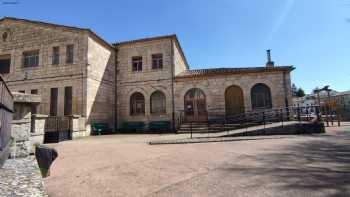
pixel 336 102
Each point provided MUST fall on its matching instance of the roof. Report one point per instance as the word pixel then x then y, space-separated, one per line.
pixel 171 36
pixel 343 93
pixel 227 71
pixel 146 39
pixel 71 28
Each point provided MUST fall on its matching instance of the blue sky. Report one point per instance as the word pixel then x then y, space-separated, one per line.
pixel 312 35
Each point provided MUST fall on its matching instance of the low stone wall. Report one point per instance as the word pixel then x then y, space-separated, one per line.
pixel 21 138
pixel 292 129
pixel 26 133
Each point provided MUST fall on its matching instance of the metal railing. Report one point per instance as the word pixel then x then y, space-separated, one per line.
pixel 58 128
pixel 6 114
pixel 219 121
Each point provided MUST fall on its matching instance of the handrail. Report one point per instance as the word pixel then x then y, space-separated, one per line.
pixel 263 116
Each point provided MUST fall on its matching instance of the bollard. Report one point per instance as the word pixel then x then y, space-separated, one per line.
pixel 45 156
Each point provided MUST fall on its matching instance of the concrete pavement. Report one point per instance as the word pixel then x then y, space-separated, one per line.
pixel 125 165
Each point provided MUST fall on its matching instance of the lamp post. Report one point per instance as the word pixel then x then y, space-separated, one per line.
pixel 328 90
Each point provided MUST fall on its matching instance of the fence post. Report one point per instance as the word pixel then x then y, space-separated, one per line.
pixel 282 117
pixel 318 113
pixel 332 117
pixel 298 111
pixel 338 118
pixel 191 129
pixel 263 113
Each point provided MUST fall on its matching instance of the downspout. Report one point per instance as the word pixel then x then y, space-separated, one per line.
pixel 172 85
pixel 115 90
pixel 285 90
pixel 286 95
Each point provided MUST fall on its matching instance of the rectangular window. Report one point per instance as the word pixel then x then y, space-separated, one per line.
pixel 53 101
pixel 5 64
pixel 157 61
pixel 34 91
pixel 55 55
pixel 68 101
pixel 34 106
pixel 137 63
pixel 69 54
pixel 31 58
pixel 21 91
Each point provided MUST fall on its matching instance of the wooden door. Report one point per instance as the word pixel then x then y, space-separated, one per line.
pixel 234 103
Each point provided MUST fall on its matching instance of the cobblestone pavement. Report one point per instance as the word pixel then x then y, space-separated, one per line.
pixel 21 177
pixel 125 165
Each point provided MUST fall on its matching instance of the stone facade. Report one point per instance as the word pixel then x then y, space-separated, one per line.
pixel 103 79
pixel 215 86
pixel 88 74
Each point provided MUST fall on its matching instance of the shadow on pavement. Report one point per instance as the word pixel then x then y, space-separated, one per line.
pixel 318 166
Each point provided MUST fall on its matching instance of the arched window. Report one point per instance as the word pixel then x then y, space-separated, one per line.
pixel 158 102
pixel 137 104
pixel 261 96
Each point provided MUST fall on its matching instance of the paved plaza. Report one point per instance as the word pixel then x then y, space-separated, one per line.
pixel 126 165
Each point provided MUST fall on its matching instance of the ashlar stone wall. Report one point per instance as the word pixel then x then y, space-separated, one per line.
pixel 146 81
pixel 24 36
pixel 100 84
pixel 214 88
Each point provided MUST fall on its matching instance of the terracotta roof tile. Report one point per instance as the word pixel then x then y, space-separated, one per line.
pixel 223 71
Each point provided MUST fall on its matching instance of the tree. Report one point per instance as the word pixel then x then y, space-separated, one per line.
pixel 316 90
pixel 294 90
pixel 300 92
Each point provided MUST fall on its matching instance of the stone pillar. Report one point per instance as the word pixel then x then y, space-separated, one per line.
pixel 20 133
pixel 78 126
pixel 38 130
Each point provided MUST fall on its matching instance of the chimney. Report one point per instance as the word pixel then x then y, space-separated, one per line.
pixel 269 63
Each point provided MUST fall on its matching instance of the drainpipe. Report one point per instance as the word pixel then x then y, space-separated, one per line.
pixel 285 89
pixel 285 94
pixel 172 84
pixel 115 89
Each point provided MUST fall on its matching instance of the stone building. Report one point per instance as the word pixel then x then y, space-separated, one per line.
pixel 144 80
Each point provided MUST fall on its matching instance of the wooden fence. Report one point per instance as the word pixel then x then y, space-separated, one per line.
pixel 6 113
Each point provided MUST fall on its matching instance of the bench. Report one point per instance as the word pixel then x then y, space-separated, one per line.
pixel 133 126
pixel 100 128
pixel 159 126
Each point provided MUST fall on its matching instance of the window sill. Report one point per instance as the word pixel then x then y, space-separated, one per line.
pixel 137 115
pixel 158 113
pixel 31 67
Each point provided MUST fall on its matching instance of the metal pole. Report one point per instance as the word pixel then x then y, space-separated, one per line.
pixel 191 129
pixel 298 111
pixel 282 117
pixel 264 119
pixel 338 118
pixel 317 108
